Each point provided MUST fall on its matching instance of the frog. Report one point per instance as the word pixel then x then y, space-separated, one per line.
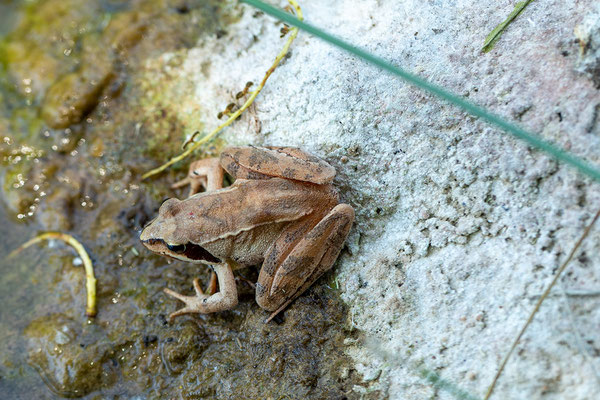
pixel 282 212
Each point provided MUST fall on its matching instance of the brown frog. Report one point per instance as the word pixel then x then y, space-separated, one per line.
pixel 281 211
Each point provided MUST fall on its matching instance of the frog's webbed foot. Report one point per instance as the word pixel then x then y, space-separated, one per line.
pixel 202 303
pixel 206 173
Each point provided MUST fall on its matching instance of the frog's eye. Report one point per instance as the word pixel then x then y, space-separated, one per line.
pixel 176 248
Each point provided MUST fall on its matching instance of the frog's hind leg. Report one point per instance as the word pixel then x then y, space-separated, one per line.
pixel 252 162
pixel 309 258
pixel 206 173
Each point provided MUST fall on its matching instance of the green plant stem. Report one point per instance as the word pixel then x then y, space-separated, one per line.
pixel 495 34
pixel 461 102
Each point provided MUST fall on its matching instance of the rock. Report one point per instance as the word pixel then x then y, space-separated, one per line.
pixel 59 351
pixel 588 34
pixel 72 97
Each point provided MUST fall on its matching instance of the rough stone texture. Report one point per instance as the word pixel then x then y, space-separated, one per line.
pixel 588 34
pixel 459 227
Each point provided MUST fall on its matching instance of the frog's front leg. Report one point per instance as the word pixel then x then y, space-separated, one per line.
pixel 299 257
pixel 225 299
pixel 206 173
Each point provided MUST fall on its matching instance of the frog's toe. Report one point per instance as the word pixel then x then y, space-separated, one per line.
pixel 202 303
pixel 193 304
pixel 188 299
pixel 182 311
pixel 197 287
pixel 181 183
pixel 178 296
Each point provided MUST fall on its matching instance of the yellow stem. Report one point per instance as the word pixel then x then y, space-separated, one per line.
pixel 87 263
pixel 236 114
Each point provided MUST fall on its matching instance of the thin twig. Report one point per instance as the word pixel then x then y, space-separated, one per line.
pixel 578 338
pixel 90 279
pixel 539 303
pixel 236 114
pixel 572 293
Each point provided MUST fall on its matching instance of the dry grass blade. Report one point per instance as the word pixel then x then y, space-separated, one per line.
pixel 579 340
pixel 539 303
pixel 90 279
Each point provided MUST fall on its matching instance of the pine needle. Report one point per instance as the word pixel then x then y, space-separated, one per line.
pixel 495 34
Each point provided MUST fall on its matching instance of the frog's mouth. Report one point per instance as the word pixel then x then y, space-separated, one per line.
pixel 186 252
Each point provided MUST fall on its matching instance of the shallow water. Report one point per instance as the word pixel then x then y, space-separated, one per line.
pixel 19 295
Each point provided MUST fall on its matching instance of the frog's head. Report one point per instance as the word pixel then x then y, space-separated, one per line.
pixel 162 236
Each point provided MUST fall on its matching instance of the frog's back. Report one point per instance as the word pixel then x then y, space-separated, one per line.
pixel 258 207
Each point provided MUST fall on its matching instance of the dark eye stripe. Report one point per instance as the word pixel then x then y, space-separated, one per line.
pixel 196 252
pixel 176 248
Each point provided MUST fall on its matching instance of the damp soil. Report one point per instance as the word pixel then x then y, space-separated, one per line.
pixel 82 116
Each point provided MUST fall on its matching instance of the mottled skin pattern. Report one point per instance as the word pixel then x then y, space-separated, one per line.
pixel 284 162
pixel 281 211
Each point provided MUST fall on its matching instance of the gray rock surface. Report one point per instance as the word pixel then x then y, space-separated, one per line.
pixel 588 34
pixel 459 227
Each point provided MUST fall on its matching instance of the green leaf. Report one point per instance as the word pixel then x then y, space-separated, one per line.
pixel 494 35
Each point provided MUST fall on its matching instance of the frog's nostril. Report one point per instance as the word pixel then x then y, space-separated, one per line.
pixel 144 235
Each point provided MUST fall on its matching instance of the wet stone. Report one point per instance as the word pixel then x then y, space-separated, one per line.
pixel 69 366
